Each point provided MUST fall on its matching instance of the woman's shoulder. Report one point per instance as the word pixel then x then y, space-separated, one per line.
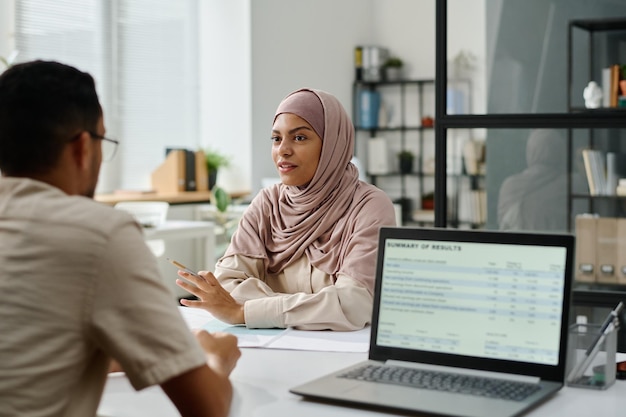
pixel 374 201
pixel 373 193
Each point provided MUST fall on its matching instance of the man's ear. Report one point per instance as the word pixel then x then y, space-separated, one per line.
pixel 81 150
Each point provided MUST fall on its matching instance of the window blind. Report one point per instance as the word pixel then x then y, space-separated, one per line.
pixel 143 55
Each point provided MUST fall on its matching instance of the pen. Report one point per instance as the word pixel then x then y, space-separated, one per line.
pixel 183 267
pixel 609 319
pixel 607 327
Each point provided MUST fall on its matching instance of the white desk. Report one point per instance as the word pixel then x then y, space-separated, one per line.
pixel 186 229
pixel 263 377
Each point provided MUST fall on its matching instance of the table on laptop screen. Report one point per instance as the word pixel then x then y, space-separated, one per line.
pixel 486 300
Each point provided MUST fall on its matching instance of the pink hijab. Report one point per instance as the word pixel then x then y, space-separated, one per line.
pixel 284 223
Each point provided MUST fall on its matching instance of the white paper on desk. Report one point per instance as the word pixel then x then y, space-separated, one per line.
pixel 195 317
pixel 291 339
pixel 324 340
pixel 201 319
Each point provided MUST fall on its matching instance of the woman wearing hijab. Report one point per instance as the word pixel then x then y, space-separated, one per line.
pixel 304 253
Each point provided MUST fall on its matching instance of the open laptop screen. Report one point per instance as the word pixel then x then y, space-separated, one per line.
pixel 478 299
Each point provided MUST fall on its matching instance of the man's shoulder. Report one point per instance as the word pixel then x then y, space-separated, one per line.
pixel 83 211
pixel 34 201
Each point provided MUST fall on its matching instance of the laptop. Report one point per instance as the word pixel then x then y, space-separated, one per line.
pixel 474 313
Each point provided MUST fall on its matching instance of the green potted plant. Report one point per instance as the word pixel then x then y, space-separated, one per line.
pixel 221 199
pixel 406 159
pixel 393 69
pixel 214 161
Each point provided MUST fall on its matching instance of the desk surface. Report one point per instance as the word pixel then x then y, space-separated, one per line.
pixel 183 197
pixel 263 377
pixel 180 229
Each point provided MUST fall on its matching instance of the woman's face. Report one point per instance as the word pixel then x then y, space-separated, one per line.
pixel 296 149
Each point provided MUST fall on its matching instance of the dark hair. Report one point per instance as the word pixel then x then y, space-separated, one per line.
pixel 43 104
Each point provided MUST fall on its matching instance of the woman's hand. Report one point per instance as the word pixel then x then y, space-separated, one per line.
pixel 211 296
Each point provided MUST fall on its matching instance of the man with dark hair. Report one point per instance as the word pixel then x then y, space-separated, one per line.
pixel 78 285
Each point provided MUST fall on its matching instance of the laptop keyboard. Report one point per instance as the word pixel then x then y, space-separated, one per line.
pixel 441 381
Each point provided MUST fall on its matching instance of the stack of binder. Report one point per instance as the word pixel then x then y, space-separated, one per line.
pixel 601 249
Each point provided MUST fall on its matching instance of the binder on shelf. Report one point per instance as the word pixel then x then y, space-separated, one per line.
pixel 614 92
pixel 202 174
pixel 189 166
pixel 606 250
pixel 606 87
pixel 586 248
pixel 594 169
pixel 621 251
pixel 169 177
pixel 190 170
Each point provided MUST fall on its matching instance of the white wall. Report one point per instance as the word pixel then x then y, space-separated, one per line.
pixel 407 28
pixel 301 44
pixel 225 80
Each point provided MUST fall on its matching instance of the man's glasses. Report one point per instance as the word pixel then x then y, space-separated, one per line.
pixel 109 146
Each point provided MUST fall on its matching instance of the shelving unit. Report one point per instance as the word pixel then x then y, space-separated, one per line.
pixel 413 101
pixel 596 31
pixel 403 131
pixel 596 296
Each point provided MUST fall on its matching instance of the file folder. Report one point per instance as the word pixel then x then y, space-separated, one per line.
pixel 202 174
pixel 586 248
pixel 606 250
pixel 169 177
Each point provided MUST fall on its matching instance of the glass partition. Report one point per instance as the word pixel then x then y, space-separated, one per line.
pixel 518 57
pixel 534 179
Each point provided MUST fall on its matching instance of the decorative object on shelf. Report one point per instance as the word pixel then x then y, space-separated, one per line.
pixel 592 95
pixel 620 190
pixel 214 161
pixel 358 63
pixel 428 121
pixel 463 65
pixel 373 58
pixel 377 157
pixel 428 201
pixel 369 108
pixel 474 157
pixel 405 159
pixel 392 69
